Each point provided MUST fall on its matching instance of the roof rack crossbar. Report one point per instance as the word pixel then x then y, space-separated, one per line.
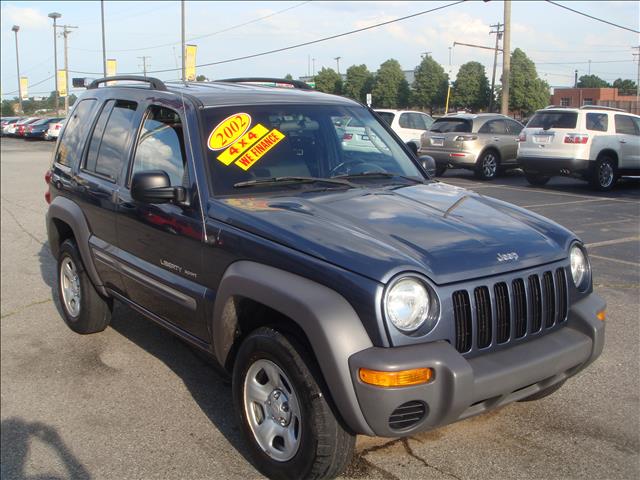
pixel 601 107
pixel 295 83
pixel 155 83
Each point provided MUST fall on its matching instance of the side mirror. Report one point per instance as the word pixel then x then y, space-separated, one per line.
pixel 413 147
pixel 428 165
pixel 154 186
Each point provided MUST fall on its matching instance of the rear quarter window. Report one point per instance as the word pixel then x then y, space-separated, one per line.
pixel 549 120
pixel 598 122
pixel 80 120
pixel 443 125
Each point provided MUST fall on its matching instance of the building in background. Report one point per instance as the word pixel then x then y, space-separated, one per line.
pixel 606 97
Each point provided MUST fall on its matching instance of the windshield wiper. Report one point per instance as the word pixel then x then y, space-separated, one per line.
pixel 377 175
pixel 292 180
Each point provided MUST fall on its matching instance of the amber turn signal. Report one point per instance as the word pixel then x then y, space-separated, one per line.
pixel 601 315
pixel 402 378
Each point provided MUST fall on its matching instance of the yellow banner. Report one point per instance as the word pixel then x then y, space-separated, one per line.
pixel 251 156
pixel 111 69
pixel 62 83
pixel 190 62
pixel 24 87
pixel 243 143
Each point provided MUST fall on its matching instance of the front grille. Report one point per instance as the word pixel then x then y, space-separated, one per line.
pixel 407 415
pixel 507 311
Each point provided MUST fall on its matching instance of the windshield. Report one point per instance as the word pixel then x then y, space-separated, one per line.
pixel 276 142
pixel 445 125
pixel 547 120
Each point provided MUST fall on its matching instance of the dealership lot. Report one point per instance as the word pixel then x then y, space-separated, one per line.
pixel 134 402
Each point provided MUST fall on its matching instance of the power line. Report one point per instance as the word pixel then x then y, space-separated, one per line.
pixel 582 62
pixel 298 45
pixel 592 17
pixel 30 86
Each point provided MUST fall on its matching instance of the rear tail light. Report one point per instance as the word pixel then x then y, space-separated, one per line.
pixel 465 138
pixel 347 136
pixel 522 137
pixel 57 127
pixel 580 138
pixel 47 177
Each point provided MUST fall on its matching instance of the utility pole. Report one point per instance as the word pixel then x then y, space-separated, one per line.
pixel 15 30
pixel 424 54
pixel 499 34
pixel 337 59
pixel 450 58
pixel 55 16
pixel 637 56
pixel 184 73
pixel 589 67
pixel 104 47
pixel 506 58
pixel 308 65
pixel 66 30
pixel 313 60
pixel 575 79
pixel 144 64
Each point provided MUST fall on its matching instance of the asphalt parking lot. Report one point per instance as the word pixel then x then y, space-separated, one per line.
pixel 135 403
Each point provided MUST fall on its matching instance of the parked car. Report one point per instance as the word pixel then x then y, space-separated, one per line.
pixel 596 144
pixel 408 124
pixel 11 128
pixel 485 143
pixel 6 121
pixel 39 129
pixel 21 127
pixel 357 137
pixel 343 291
pixel 53 131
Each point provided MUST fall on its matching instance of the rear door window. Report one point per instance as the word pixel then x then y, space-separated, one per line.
pixel 495 127
pixel 405 120
pixel 598 122
pixel 78 124
pixel 514 127
pixel 387 116
pixel 445 125
pixel 549 120
pixel 626 125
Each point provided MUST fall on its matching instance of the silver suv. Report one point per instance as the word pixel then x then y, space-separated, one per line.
pixel 597 144
pixel 485 143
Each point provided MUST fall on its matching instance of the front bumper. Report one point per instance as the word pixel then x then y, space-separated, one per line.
pixel 464 387
pixel 554 165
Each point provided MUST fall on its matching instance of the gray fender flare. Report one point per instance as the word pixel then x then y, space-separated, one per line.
pixel 69 212
pixel 332 327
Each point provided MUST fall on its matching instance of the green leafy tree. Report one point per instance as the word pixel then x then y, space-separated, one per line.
pixel 388 83
pixel 359 82
pixel 471 89
pixel 328 81
pixel 404 94
pixel 592 81
pixel 430 84
pixel 201 78
pixel 527 92
pixel 625 87
pixel 288 77
pixel 8 108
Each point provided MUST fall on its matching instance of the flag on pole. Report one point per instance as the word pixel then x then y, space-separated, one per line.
pixel 190 62
pixel 24 86
pixel 62 83
pixel 111 68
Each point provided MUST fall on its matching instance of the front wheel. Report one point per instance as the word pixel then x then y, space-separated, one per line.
pixel 284 416
pixel 487 167
pixel 603 177
pixel 536 178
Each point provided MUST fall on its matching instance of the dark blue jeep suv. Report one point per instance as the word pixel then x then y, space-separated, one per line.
pixel 342 288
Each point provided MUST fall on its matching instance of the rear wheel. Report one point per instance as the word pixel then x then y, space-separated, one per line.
pixel 603 176
pixel 487 166
pixel 85 311
pixel 289 427
pixel 536 178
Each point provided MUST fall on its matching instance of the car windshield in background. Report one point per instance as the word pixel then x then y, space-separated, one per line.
pixel 386 116
pixel 446 125
pixel 296 146
pixel 548 120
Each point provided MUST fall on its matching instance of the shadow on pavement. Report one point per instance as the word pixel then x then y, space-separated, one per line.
pixel 48 271
pixel 17 436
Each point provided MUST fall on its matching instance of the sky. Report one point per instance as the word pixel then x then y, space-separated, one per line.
pixel 557 40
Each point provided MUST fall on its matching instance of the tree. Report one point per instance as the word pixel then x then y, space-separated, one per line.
pixel 592 81
pixel 471 89
pixel 201 78
pixel 328 81
pixel 288 77
pixel 430 84
pixel 387 85
pixel 359 82
pixel 625 87
pixel 527 92
pixel 7 108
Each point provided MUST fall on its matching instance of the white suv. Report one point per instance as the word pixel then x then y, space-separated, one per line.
pixel 597 144
pixel 408 124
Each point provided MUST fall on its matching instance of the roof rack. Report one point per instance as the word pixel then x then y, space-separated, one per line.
pixel 601 107
pixel 155 83
pixel 558 106
pixel 294 83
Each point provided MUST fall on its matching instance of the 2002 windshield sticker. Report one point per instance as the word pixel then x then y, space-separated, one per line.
pixel 241 145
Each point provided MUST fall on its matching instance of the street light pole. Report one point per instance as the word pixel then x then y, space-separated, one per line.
pixel 506 58
pixel 55 16
pixel 104 48
pixel 15 29
pixel 65 33
pixel 337 59
pixel 184 75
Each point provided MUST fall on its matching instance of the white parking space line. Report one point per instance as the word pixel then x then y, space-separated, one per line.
pixel 613 242
pixel 612 222
pixel 623 262
pixel 563 203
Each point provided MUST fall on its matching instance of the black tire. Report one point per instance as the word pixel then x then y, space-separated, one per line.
pixel 604 174
pixel 536 178
pixel 94 312
pixel 488 165
pixel 325 448
pixel 544 393
pixel 440 169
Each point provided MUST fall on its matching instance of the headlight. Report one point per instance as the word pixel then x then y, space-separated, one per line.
pixel 408 303
pixel 579 267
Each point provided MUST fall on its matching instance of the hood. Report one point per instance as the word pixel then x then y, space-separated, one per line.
pixel 447 233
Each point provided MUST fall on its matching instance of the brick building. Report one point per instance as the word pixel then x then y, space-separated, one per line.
pixel 608 97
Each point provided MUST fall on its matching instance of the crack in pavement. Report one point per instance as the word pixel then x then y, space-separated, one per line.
pixel 33 210
pixel 25 307
pixel 21 227
pixel 409 450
